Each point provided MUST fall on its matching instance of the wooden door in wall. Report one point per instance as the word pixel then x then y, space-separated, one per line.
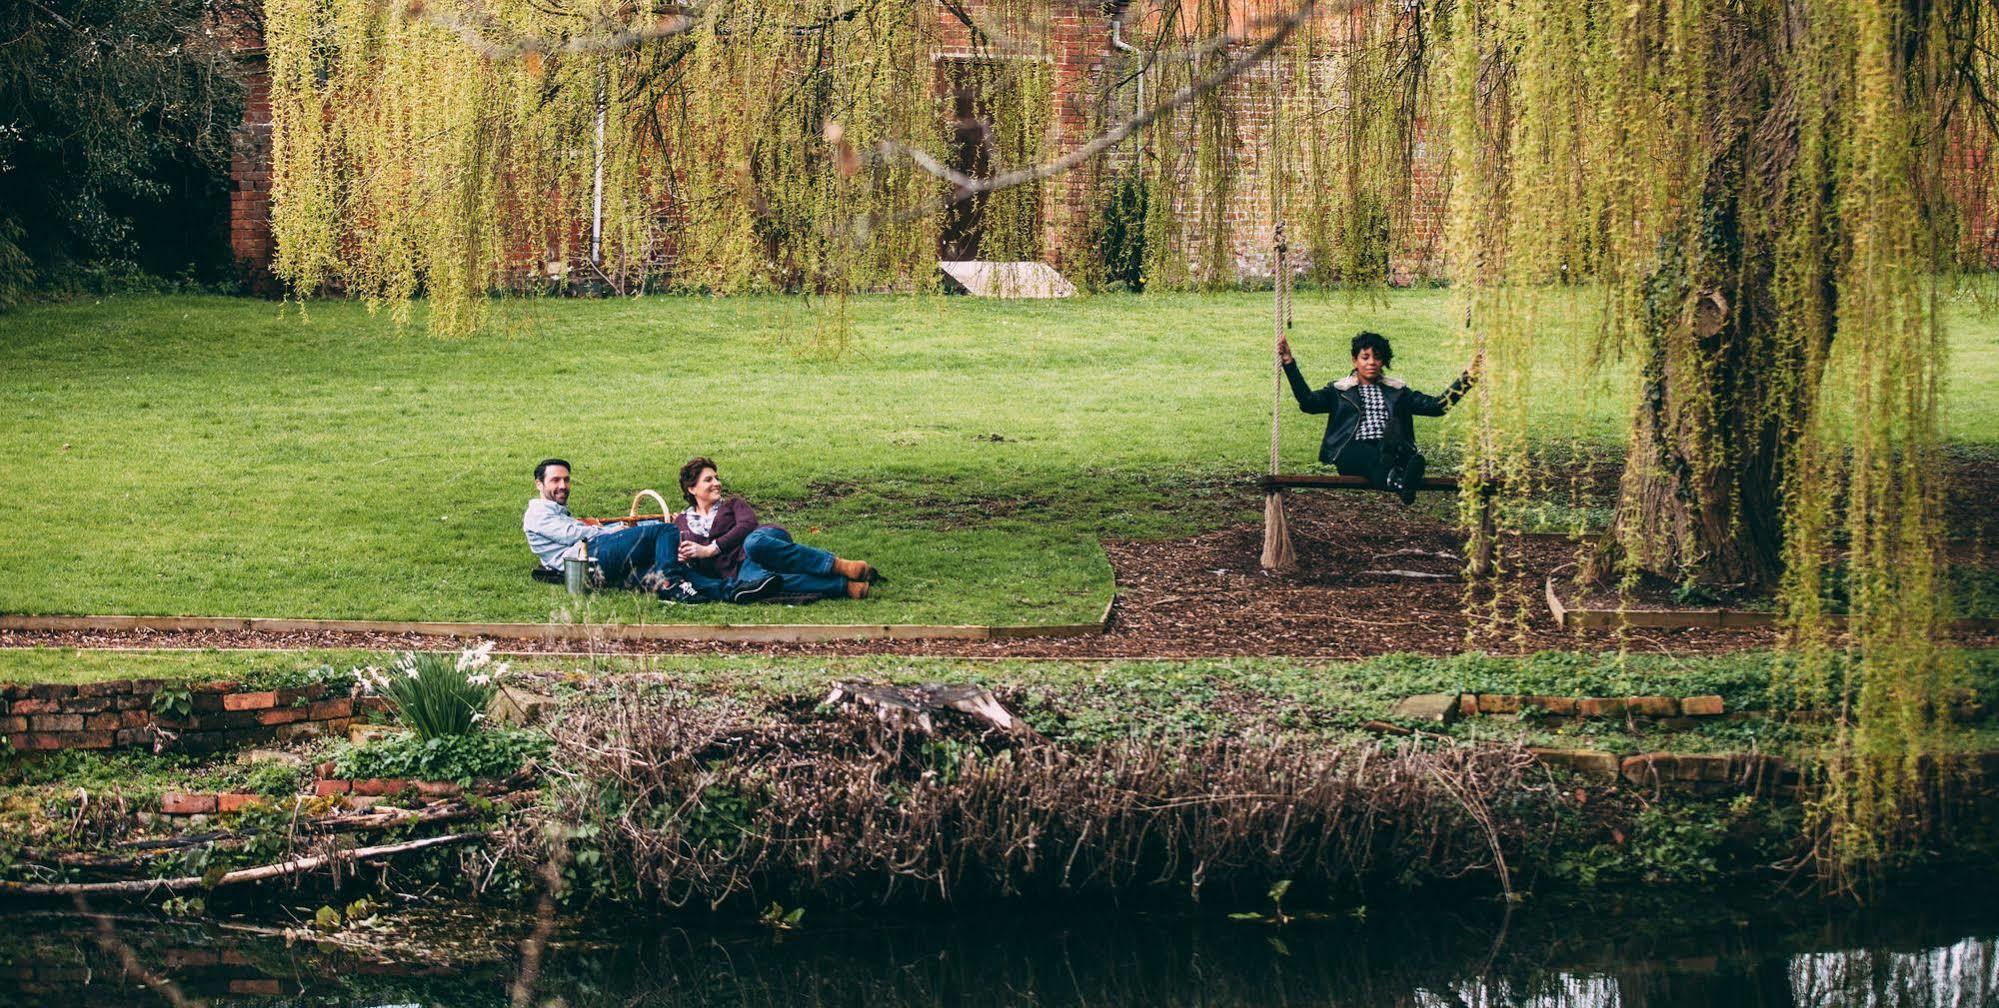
pixel 996 123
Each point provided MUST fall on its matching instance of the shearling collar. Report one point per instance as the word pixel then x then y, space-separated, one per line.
pixel 1353 379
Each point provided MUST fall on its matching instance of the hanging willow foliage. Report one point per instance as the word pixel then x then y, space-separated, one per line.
pixel 458 148
pixel 1755 193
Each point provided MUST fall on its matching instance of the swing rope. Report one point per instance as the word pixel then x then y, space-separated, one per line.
pixel 1282 322
pixel 1277 552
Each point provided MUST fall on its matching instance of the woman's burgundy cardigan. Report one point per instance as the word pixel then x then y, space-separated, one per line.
pixel 734 521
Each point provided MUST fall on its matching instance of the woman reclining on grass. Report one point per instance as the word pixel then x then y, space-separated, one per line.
pixel 729 554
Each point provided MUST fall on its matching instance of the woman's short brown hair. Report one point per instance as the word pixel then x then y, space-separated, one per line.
pixel 691 472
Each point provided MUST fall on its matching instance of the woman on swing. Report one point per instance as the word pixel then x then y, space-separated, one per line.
pixel 1369 430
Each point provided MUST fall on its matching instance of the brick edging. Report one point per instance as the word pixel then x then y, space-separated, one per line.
pixel 120 713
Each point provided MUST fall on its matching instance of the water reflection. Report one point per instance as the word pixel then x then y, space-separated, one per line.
pixel 1964 974
pixel 1573 959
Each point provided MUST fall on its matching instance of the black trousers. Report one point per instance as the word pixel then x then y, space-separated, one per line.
pixel 1371 458
pixel 1364 458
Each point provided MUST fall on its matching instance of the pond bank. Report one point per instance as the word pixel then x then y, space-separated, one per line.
pixel 725 786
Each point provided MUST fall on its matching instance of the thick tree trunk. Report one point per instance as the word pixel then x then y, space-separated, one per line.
pixel 1700 499
pixel 1729 377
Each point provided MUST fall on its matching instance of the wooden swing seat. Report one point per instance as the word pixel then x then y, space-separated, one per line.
pixel 1482 531
pixel 1328 481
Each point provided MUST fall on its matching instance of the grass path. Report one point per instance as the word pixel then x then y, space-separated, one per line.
pixel 185 455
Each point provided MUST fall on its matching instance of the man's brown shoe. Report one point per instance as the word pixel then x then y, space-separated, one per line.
pixel 854 570
pixel 857 589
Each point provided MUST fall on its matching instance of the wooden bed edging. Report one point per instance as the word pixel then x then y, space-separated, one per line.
pixel 754 633
pixel 1719 619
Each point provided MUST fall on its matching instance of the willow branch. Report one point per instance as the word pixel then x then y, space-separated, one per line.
pixel 475 31
pixel 965 187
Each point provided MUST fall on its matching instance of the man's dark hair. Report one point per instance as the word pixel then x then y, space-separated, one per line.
pixel 691 472
pixel 541 467
pixel 1375 341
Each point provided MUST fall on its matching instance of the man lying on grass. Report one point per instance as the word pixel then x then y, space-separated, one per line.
pixel 641 557
pixel 1369 427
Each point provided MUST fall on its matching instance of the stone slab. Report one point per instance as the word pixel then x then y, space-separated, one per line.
pixel 1594 762
pixel 1701 706
pixel 515 706
pixel 1438 708
pixel 983 278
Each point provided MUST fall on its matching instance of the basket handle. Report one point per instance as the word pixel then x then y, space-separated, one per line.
pixel 654 494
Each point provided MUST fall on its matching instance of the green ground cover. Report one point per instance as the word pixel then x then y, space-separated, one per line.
pixel 1086 702
pixel 182 455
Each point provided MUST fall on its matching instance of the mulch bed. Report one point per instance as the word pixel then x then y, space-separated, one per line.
pixel 1358 592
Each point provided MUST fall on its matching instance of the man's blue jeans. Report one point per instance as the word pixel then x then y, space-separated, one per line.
pixel 805 570
pixel 626 556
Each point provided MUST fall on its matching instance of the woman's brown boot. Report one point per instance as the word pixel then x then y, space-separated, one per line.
pixel 854 570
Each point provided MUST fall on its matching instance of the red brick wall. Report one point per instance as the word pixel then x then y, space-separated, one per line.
pixel 250 159
pixel 105 715
pixel 250 180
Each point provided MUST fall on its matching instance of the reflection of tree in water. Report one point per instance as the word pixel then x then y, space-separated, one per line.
pixel 1437 962
pixel 1440 960
pixel 1964 974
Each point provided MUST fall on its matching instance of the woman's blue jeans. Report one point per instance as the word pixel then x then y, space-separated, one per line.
pixel 805 570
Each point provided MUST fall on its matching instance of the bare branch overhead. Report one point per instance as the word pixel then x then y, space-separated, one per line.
pixel 478 31
pixel 965 187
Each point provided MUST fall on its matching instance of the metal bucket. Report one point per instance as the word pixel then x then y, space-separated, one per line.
pixel 576 574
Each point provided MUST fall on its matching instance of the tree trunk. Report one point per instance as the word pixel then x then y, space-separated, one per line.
pixel 1731 368
pixel 1700 498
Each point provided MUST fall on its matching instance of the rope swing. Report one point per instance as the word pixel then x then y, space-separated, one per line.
pixel 1277 553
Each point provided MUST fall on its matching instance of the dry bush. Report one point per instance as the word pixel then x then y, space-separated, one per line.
pixel 700 805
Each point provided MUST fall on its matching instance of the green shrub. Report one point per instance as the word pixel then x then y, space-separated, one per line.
pixel 496 752
pixel 274 779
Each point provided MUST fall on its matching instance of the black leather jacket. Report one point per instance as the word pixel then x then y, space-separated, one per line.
pixel 1343 403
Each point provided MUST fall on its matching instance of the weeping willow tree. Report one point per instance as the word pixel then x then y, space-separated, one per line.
pixel 459 147
pixel 1756 195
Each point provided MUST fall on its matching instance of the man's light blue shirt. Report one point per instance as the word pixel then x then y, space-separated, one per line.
pixel 553 532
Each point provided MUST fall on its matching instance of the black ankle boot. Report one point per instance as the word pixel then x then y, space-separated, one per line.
pixel 1412 476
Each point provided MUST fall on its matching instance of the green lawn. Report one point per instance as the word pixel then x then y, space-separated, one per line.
pixel 219 456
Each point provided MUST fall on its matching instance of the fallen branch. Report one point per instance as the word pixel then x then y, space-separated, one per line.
pixel 291 866
pixel 143 850
pixel 1439 554
pixel 919 708
pixel 324 824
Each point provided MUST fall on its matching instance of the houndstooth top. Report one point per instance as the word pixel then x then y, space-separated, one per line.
pixel 1373 414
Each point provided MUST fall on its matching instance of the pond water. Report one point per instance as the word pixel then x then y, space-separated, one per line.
pixel 1936 951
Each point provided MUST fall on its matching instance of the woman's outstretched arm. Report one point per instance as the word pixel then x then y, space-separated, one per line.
pixel 1309 400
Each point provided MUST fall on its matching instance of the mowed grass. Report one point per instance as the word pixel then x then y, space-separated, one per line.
pixel 222 456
